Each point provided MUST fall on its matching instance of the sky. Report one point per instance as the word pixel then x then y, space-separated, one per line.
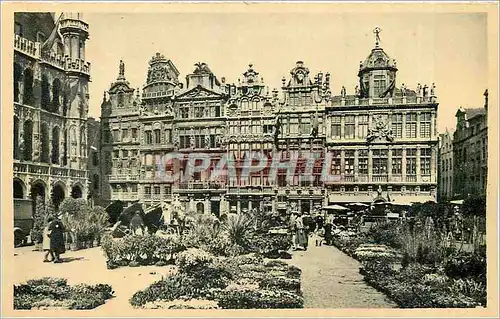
pixel 449 49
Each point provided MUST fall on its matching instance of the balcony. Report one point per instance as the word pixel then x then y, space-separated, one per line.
pixel 53 59
pixel 27 47
pixel 379 178
pixel 40 169
pixel 198 187
pixel 354 101
pixel 77 65
pixel 75 24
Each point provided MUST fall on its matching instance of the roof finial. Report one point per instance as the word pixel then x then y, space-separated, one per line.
pixel 377 31
pixel 121 71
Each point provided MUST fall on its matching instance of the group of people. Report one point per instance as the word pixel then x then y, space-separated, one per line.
pixel 303 225
pixel 53 240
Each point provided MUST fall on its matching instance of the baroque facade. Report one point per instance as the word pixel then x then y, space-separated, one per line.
pixel 470 151
pixel 51 77
pixel 379 143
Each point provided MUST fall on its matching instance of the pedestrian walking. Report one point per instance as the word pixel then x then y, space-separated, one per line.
pixel 293 229
pixel 57 246
pixel 300 236
pixel 309 227
pixel 328 229
pixel 137 224
pixel 46 242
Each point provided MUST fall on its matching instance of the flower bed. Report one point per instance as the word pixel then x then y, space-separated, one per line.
pixel 135 250
pixel 412 266
pixel 417 286
pixel 55 293
pixel 242 282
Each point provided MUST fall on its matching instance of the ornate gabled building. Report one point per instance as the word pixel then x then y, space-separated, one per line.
pixel 250 122
pixel 51 77
pixel 383 138
pixel 301 116
pixel 470 151
pixel 379 143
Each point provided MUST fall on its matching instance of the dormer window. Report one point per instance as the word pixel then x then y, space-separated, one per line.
pixel 379 85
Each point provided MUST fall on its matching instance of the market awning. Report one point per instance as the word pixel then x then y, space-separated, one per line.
pixel 457 202
pixel 345 199
pixel 335 207
pixel 358 204
pixel 410 200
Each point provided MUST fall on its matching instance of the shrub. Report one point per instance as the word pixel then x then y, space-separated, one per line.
pixel 39 221
pixel 193 259
pixel 147 249
pixel 259 299
pixel 283 283
pixel 182 304
pixel 269 245
pixel 54 292
pixel 466 265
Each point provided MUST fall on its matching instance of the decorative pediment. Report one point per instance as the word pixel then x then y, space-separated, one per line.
pixel 120 87
pixel 199 92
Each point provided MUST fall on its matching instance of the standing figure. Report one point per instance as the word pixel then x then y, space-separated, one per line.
pixel 343 92
pixel 46 242
pixel 57 246
pixel 137 224
pixel 403 90
pixel 419 90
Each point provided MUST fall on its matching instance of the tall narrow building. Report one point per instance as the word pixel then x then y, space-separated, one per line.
pixel 51 77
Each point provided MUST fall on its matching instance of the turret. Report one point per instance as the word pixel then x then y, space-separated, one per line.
pixel 377 74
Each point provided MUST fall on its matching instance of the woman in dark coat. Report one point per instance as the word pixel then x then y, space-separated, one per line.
pixel 57 244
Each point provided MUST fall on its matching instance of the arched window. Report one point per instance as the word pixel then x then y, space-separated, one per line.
pixel 16 138
pixel 244 105
pixel 65 148
pixel 18 73
pixel 56 95
pixel 44 137
pixel 120 99
pixel 27 140
pixel 28 97
pixel 18 189
pixel 55 145
pixel 95 181
pixel 45 97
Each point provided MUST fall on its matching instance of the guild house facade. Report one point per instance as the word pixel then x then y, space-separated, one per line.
pixel 51 76
pixel 379 143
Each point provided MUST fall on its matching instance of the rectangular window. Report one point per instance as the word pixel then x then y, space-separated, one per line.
pixel 425 161
pixel 168 136
pixel 411 125
pixel 349 163
pixel 397 125
pixel 379 85
pixel 336 127
pixel 305 125
pixel 125 153
pixel 411 162
pixel 349 127
pixel 336 163
pixel 397 160
pixel 157 190
pixel 379 162
pixel 184 112
pixel 134 133
pixel 147 190
pixel 116 136
pixel 124 134
pixel 294 126
pixel 362 126
pixel 425 125
pixel 167 190
pixel 363 162
pixel 133 188
pixel 149 137
pixel 116 154
pixel 157 136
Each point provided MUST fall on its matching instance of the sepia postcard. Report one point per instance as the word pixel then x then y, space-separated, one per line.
pixel 249 159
